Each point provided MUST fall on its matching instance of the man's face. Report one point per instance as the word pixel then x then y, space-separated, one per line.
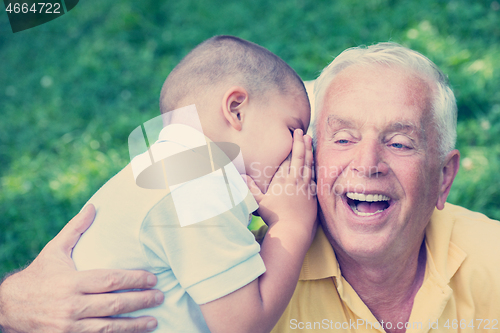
pixel 377 165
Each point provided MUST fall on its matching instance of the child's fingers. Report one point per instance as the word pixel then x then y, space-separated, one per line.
pixel 281 174
pixel 254 189
pixel 307 174
pixel 284 168
pixel 298 154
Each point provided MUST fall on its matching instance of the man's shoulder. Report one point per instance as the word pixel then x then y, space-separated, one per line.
pixel 475 243
pixel 464 214
pixel 475 234
pixel 469 224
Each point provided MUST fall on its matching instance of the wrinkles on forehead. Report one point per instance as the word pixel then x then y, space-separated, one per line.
pixel 416 94
pixel 417 90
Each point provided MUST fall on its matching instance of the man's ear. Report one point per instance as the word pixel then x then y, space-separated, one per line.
pixel 233 106
pixel 448 173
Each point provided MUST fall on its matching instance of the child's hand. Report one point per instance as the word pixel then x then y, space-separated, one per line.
pixel 291 196
pixel 289 208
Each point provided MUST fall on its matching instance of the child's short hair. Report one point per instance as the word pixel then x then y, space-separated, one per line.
pixel 231 59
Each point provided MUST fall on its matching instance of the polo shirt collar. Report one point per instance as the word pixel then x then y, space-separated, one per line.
pixel 320 261
pixel 445 256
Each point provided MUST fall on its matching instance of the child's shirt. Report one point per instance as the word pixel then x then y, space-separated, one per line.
pixel 137 228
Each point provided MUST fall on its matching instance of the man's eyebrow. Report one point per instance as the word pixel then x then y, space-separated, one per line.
pixel 404 127
pixel 334 121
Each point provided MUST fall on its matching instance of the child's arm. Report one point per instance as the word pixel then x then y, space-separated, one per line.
pixel 289 208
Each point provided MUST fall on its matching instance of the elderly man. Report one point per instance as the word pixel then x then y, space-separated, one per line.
pixel 390 255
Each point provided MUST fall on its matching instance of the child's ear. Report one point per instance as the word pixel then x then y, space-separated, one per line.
pixel 233 106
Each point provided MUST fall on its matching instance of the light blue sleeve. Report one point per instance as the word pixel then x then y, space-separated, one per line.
pixel 209 259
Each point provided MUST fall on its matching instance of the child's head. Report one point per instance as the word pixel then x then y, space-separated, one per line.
pixel 244 94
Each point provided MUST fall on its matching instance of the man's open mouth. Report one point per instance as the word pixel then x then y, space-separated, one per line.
pixel 367 204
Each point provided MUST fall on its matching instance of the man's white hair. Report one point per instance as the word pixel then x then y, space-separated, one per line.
pixel 443 104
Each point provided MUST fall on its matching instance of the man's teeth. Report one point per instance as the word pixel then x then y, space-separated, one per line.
pixel 367 197
pixel 355 210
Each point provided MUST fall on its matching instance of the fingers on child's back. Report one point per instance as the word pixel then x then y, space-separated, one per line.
pixel 115 325
pixel 110 304
pixel 101 281
pixel 70 234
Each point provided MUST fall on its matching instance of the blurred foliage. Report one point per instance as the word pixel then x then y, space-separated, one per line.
pixel 73 89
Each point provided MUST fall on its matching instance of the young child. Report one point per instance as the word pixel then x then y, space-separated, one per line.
pixel 210 271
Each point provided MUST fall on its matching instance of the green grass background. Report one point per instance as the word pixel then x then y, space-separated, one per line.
pixel 72 90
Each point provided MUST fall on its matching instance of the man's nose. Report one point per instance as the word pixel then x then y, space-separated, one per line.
pixel 369 159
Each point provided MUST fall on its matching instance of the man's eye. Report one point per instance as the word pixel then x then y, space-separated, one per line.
pixel 344 139
pixel 399 146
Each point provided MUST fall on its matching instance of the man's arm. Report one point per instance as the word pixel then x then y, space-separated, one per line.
pixel 51 296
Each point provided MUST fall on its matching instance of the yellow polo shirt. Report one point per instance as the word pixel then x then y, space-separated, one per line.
pixel 460 291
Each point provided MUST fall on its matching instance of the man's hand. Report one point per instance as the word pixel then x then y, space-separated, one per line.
pixel 51 296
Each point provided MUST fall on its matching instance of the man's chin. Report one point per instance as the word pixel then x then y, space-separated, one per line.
pixel 363 246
